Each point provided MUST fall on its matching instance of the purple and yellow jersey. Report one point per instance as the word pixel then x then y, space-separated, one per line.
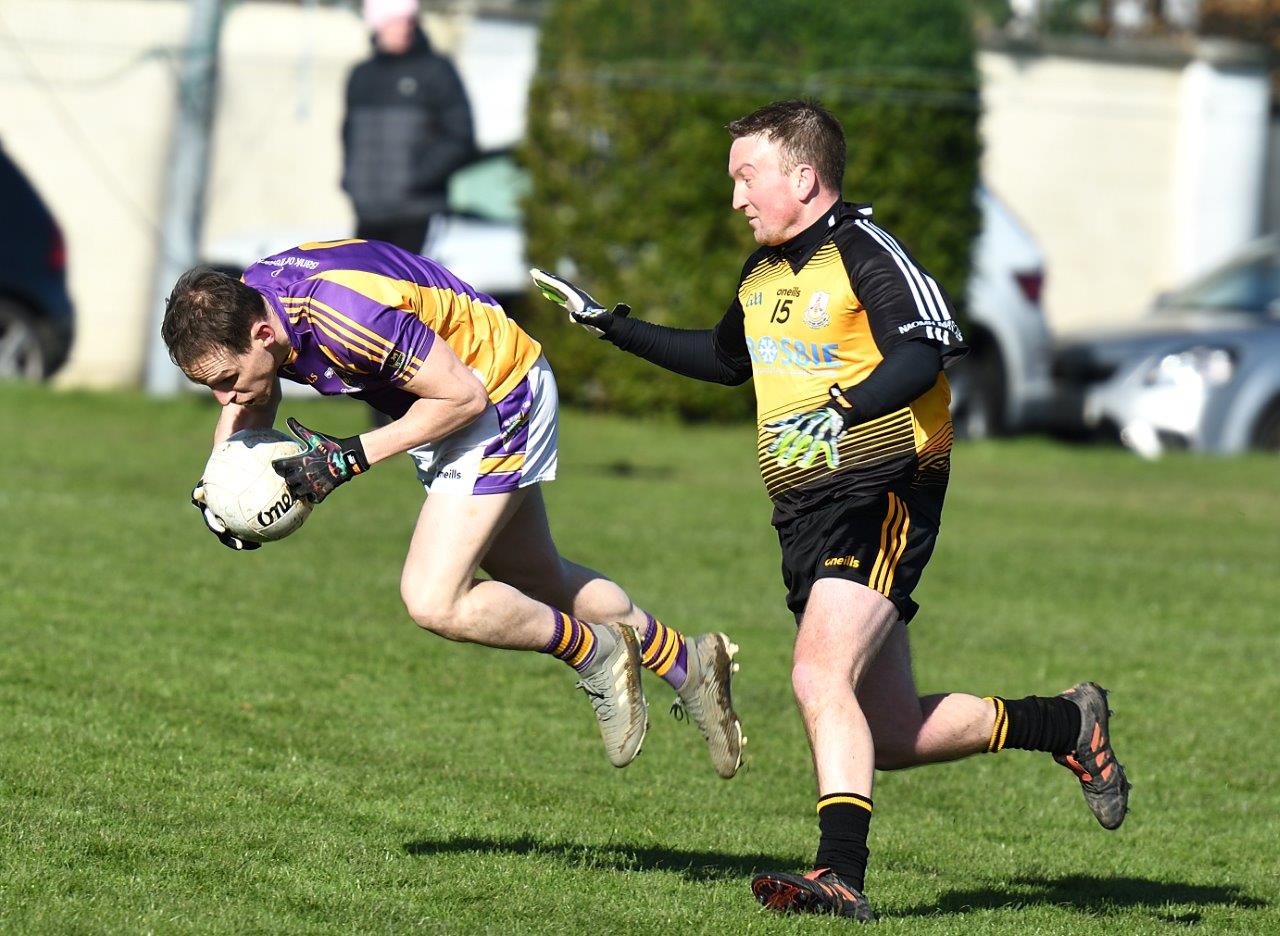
pixel 361 317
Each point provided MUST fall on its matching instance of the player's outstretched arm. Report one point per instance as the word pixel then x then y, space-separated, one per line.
pixel 582 309
pixel 717 355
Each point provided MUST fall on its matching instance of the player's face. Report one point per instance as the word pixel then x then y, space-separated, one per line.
pixel 771 199
pixel 247 378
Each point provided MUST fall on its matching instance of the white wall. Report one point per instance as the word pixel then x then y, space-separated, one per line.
pixel 1220 164
pixel 86 93
pixel 277 157
pixel 1131 175
pixel 1081 151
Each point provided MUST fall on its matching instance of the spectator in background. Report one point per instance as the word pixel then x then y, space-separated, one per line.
pixel 407 129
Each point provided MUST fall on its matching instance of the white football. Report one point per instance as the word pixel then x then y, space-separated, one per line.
pixel 242 488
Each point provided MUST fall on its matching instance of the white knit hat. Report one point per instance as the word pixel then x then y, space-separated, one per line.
pixel 377 12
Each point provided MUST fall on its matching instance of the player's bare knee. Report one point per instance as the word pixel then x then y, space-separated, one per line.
pixel 815 683
pixel 436 614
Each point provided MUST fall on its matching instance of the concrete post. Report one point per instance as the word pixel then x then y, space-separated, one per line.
pixel 187 176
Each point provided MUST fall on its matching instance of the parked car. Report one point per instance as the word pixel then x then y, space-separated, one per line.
pixel 1003 384
pixel 36 315
pixel 1201 371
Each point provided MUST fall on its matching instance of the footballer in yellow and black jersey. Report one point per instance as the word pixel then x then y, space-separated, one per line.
pixel 846 338
pixel 823 310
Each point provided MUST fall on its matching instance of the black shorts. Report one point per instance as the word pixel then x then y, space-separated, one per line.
pixel 883 543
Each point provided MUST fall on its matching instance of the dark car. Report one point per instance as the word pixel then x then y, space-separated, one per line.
pixel 36 316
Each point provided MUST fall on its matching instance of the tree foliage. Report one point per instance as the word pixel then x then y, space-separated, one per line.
pixel 628 153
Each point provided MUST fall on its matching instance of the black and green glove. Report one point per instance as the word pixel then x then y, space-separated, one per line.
pixel 802 437
pixel 326 463
pixel 582 309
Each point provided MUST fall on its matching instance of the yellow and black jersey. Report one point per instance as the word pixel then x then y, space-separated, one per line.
pixel 824 309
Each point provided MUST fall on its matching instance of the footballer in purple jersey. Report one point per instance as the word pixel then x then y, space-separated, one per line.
pixel 473 403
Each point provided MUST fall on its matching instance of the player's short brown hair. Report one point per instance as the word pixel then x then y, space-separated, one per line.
pixel 805 131
pixel 206 311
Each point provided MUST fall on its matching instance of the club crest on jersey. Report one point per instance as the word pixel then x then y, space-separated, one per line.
pixel 755 299
pixel 394 360
pixel 816 316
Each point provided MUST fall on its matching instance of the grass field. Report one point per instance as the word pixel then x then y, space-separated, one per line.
pixel 193 740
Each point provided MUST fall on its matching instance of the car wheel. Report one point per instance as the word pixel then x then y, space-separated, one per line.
pixel 22 353
pixel 978 396
pixel 1266 434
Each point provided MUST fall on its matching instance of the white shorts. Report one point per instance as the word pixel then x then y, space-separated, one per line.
pixel 511 445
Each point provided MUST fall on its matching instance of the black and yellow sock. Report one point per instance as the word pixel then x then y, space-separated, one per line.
pixel 1036 723
pixel 843 822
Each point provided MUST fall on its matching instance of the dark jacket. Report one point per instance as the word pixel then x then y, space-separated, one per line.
pixel 407 128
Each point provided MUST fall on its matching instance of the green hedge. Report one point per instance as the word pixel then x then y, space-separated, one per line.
pixel 627 151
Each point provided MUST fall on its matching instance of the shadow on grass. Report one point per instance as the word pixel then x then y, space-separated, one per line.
pixel 625 468
pixel 694 865
pixel 1096 895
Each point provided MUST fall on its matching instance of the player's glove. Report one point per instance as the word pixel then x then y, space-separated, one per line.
pixel 215 524
pixel 582 309
pixel 802 437
pixel 326 463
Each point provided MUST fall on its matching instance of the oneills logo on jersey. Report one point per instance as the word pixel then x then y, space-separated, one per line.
pixel 837 561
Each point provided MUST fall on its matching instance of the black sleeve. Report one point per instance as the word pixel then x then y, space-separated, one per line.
pixel 904 303
pixel 453 143
pixel 346 134
pixel 717 355
pixel 906 372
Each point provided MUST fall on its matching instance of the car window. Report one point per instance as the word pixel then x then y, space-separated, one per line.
pixel 1252 285
pixel 490 188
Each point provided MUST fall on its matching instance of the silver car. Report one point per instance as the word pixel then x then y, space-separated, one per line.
pixel 1003 384
pixel 1200 372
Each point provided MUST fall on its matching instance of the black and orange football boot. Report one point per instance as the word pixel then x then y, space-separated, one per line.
pixel 1101 776
pixel 819 891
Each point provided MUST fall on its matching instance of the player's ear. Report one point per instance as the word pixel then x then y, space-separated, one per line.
pixel 805 181
pixel 262 331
